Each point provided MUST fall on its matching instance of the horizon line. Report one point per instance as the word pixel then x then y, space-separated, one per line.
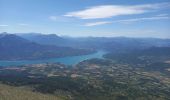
pixel 40 33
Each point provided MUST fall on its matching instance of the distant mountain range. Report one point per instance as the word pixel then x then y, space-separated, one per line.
pixel 13 47
pixel 51 39
pixel 112 44
pixel 41 46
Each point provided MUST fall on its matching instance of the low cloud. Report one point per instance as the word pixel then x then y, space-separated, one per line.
pixel 97 23
pixel 161 15
pixel 3 25
pixel 108 11
pixel 128 21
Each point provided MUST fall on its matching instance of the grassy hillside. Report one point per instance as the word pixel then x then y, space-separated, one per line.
pixel 16 93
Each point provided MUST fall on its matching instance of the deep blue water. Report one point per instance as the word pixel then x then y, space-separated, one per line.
pixel 71 60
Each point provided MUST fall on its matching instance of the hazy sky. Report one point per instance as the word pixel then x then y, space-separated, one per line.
pixel 132 18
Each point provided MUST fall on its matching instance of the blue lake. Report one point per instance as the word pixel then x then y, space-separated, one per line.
pixel 71 60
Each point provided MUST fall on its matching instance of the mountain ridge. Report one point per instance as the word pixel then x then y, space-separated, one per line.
pixel 13 47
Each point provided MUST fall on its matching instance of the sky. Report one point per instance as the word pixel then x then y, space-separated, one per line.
pixel 81 18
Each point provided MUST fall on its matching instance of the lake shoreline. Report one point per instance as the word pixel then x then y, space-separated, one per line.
pixel 68 60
